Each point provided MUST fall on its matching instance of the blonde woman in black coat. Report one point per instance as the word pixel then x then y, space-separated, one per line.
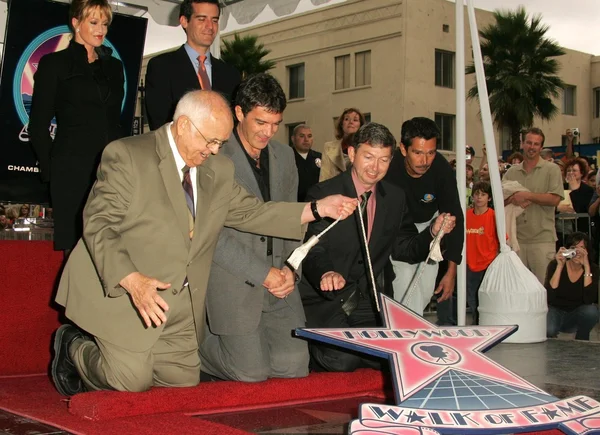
pixel 82 86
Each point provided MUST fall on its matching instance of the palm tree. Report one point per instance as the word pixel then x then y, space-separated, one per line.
pixel 521 71
pixel 246 54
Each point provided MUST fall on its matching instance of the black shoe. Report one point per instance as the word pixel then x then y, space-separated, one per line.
pixel 64 374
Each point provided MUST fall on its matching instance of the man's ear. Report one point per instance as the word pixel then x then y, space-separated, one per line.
pixel 184 23
pixel 351 154
pixel 403 149
pixel 238 113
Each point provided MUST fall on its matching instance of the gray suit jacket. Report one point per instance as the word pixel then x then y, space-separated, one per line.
pixel 135 219
pixel 240 263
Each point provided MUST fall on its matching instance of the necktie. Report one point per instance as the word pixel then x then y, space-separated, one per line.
pixel 189 198
pixel 364 199
pixel 202 74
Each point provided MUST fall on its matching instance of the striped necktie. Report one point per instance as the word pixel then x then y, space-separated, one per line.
pixel 203 75
pixel 189 198
pixel 364 199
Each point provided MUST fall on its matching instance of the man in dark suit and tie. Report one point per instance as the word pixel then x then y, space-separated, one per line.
pixel 336 289
pixel 308 161
pixel 251 303
pixel 172 74
pixel 137 280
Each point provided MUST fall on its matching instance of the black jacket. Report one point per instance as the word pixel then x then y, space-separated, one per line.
pixel 86 100
pixel 341 249
pixel 309 170
pixel 64 87
pixel 170 75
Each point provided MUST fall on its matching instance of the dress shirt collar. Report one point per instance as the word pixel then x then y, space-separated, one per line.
pixel 179 162
pixel 193 55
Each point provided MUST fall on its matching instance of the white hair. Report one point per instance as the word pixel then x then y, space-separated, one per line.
pixel 198 105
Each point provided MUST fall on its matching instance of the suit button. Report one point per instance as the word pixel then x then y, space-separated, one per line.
pixel 360 262
pixel 174 291
pixel 269 252
pixel 262 239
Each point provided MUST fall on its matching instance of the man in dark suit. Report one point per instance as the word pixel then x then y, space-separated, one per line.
pixel 172 74
pixel 137 280
pixel 308 161
pixel 251 303
pixel 336 289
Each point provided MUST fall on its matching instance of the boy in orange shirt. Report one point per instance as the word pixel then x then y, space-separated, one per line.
pixel 482 242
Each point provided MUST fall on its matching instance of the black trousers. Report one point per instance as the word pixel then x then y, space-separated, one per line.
pixel 331 358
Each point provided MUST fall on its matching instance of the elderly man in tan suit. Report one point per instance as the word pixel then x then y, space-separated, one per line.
pixel 136 282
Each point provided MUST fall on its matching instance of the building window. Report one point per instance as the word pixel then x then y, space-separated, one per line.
pixel 444 68
pixel 569 99
pixel 446 124
pixel 342 72
pixel 597 103
pixel 290 131
pixel 296 75
pixel 363 68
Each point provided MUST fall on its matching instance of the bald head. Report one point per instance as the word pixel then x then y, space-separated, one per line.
pixel 201 105
pixel 201 123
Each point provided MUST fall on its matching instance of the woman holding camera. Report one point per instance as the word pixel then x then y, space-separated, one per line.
pixel 572 287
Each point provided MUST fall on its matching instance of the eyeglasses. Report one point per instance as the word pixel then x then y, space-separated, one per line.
pixel 209 143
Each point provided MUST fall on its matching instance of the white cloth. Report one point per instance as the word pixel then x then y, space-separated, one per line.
pixel 405 273
pixel 511 211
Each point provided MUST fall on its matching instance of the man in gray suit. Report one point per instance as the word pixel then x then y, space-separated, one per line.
pixel 137 280
pixel 251 303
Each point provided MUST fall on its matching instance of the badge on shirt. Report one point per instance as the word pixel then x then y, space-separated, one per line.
pixel 427 198
pixel 318 162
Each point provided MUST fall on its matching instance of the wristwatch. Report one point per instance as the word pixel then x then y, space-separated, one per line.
pixel 315 211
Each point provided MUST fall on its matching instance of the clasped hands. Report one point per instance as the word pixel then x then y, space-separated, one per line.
pixel 280 282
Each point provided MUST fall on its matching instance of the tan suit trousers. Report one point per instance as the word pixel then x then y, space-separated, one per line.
pixel 173 361
pixel 536 257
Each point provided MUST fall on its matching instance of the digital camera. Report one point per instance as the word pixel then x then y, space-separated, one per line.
pixel 569 253
pixel 575 131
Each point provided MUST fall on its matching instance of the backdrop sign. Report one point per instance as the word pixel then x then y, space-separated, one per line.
pixel 35 28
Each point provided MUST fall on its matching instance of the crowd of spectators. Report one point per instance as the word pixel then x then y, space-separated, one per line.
pixel 558 203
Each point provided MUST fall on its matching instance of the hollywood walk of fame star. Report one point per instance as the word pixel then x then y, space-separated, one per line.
pixel 420 351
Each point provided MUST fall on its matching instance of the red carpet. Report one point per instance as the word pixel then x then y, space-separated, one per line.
pixel 29 271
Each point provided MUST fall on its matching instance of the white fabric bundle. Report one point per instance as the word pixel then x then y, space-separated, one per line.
pixel 511 295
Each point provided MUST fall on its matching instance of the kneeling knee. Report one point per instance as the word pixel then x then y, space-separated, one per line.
pixel 134 382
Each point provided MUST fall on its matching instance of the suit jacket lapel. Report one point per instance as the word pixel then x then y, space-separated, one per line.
pixel 185 77
pixel 205 178
pixel 275 176
pixel 171 180
pixel 244 175
pixel 380 216
pixel 217 72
